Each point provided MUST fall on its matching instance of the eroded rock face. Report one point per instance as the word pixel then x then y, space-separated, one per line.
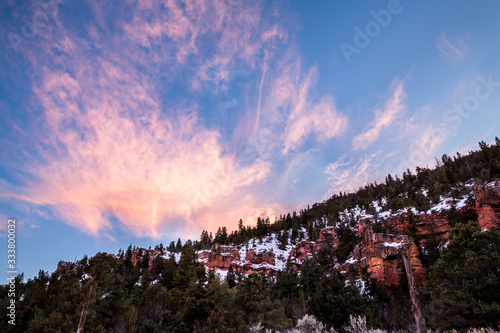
pixel 488 206
pixel 302 250
pixel 485 209
pixel 261 257
pixel 327 238
pixel 220 256
pixel 381 254
pixel 426 224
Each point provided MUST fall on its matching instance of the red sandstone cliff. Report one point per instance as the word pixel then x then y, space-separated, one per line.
pixel 220 257
pixel 488 206
pixel 485 209
pixel 381 254
pixel 302 250
pixel 377 251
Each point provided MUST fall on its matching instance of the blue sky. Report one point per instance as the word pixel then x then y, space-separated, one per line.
pixel 141 122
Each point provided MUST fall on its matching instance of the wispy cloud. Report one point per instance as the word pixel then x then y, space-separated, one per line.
pixel 108 146
pixel 423 149
pixel 292 112
pixel 451 52
pixel 384 117
pixel 322 119
pixel 349 173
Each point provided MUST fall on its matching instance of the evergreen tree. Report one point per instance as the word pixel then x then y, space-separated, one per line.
pixel 171 247
pixel 333 301
pixel 186 271
pixel 462 288
pixel 295 234
pixel 283 240
pixel 347 242
pixel 168 273
pixel 128 257
pixel 158 265
pixel 411 225
pixel 310 274
pixel 255 305
pixel 231 277
pixel 178 245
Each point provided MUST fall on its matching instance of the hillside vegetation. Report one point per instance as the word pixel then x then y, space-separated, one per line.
pixel 175 292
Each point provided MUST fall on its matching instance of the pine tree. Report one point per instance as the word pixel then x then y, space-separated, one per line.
pixel 128 257
pixel 178 245
pixel 411 224
pixel 254 303
pixel 231 277
pixel 333 301
pixel 169 272
pixel 283 240
pixel 287 282
pixel 158 266
pixel 462 288
pixel 186 270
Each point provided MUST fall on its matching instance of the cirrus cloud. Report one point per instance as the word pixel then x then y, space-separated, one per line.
pixel 451 52
pixel 111 145
pixel 384 117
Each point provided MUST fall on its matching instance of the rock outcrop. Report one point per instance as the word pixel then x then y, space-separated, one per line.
pixel 488 206
pixel 145 254
pixel 260 257
pixel 327 238
pixel 485 209
pixel 302 250
pixel 381 253
pixel 258 261
pixel 220 257
pixel 426 224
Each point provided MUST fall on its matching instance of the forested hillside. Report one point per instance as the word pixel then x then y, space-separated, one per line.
pixel 333 259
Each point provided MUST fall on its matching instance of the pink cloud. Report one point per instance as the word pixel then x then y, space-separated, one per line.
pixel 383 118
pixel 110 148
pixel 285 101
pixel 451 52
pixel 143 175
pixel 323 119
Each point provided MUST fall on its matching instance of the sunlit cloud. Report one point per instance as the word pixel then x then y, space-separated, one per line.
pixel 384 117
pixel 291 106
pixel 451 52
pixel 110 149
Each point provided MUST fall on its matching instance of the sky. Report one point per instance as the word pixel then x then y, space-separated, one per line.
pixel 146 121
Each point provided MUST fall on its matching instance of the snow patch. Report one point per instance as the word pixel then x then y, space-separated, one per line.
pixel 392 244
pixel 351 260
